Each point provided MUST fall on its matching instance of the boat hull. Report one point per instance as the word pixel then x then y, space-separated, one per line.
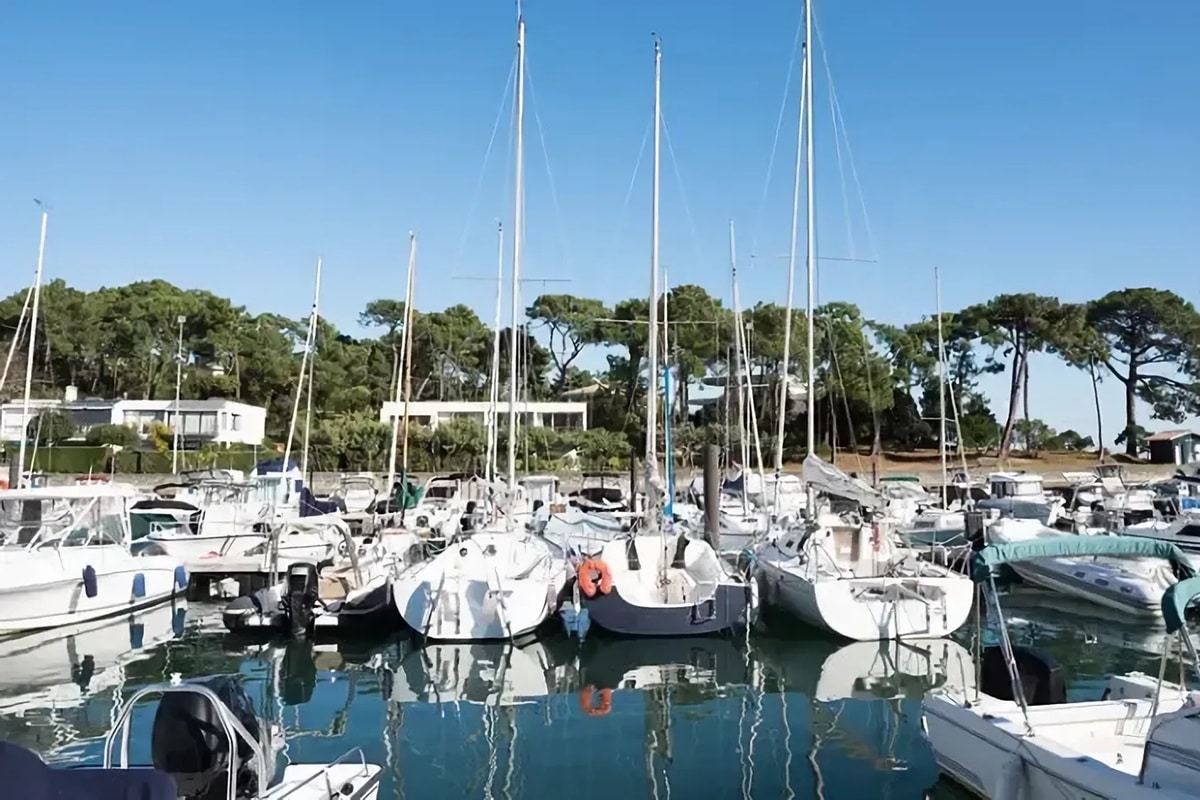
pixel 123 583
pixel 870 609
pixel 369 610
pixel 731 607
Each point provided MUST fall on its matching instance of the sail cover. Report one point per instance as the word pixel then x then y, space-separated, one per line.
pixel 827 478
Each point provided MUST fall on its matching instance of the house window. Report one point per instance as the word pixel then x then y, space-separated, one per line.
pixel 235 422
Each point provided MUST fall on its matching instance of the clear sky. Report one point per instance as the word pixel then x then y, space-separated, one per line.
pixel 1037 146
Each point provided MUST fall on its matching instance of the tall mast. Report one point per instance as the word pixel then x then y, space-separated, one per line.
pixel 518 230
pixel 404 339
pixel 312 366
pixel 941 356
pixel 409 311
pixel 494 374
pixel 33 319
pixel 791 279
pixel 309 340
pixel 652 344
pixel 811 228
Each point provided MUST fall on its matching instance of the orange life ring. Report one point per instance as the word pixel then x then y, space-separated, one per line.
pixel 590 708
pixel 589 572
pixel 3 484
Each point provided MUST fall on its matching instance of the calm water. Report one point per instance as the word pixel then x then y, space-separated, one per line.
pixel 787 715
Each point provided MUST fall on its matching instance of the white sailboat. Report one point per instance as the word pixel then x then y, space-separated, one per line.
pixel 499 583
pixel 847 577
pixel 658 582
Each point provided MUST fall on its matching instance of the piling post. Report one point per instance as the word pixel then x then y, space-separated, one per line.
pixel 712 496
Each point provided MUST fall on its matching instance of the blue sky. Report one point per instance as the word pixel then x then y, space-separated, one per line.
pixel 1023 146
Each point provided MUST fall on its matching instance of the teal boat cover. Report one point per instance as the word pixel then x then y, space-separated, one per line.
pixel 1175 602
pixel 986 560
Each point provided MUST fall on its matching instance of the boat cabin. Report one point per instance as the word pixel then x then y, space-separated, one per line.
pixel 1016 485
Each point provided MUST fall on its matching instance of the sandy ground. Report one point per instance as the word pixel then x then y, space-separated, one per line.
pixel 925 465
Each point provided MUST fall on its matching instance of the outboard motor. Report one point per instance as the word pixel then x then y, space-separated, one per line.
pixel 300 598
pixel 188 741
pixel 1041 676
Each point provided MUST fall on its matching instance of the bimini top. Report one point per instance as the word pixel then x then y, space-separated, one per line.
pixel 1175 601
pixel 986 560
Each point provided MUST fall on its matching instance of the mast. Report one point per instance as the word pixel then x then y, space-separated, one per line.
pixel 176 421
pixel 404 339
pixel 33 316
pixel 791 281
pixel 312 366
pixel 811 230
pixel 494 376
pixel 518 230
pixel 309 339
pixel 652 344
pixel 941 383
pixel 408 350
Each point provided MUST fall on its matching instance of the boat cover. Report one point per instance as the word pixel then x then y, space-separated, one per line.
pixel 986 560
pixel 1175 601
pixel 827 478
pixel 26 776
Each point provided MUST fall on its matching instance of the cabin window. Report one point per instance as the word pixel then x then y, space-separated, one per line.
pixel 1101 582
pixel 1078 574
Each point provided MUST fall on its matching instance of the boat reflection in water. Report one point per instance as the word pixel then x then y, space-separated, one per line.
pixel 53 680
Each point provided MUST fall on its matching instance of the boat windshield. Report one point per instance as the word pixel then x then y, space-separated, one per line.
pixel 58 522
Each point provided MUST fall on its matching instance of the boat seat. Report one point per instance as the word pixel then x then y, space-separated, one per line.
pixel 26 776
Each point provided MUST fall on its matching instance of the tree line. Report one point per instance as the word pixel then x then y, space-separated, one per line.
pixel 876 383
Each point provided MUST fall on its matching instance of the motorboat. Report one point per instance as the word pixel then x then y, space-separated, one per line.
pixel 1104 493
pixel 205 742
pixel 356 494
pixel 1022 495
pixel 600 491
pixel 346 598
pixel 847 576
pixel 665 584
pixel 1017 737
pixel 66 558
pixel 1130 584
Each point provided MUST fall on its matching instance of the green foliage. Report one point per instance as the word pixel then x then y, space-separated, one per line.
pixel 121 435
pixel 875 383
pixel 50 428
pixel 76 460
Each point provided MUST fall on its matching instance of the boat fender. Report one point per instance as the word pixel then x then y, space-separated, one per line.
pixel 178 617
pixel 181 577
pixel 90 584
pixel 875 537
pixel 587 704
pixel 137 635
pixel 139 585
pixel 595 576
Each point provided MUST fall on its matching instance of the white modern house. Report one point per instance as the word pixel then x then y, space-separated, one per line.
pixel 212 421
pixel 431 413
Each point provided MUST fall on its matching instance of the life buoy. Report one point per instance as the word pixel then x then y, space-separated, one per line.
pixel 589 572
pixel 588 706
pixel 3 484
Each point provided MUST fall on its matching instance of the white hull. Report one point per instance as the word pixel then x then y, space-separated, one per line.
pixel 293 546
pixel 489 586
pixel 45 588
pixel 1089 750
pixel 870 609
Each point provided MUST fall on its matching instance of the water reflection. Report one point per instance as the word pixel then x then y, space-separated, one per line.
pixel 783 715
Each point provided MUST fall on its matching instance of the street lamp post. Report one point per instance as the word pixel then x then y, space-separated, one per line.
pixel 178 380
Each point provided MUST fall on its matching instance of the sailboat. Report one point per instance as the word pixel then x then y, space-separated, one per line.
pixel 659 582
pixel 497 583
pixel 844 575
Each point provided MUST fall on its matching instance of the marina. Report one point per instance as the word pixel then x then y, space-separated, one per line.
pixel 373 527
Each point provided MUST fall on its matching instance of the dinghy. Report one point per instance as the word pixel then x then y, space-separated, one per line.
pixel 1019 738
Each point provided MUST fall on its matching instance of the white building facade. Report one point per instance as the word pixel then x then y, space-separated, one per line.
pixel 431 413
pixel 213 421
